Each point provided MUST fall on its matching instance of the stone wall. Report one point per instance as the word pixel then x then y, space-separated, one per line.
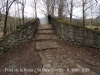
pixel 77 34
pixel 22 34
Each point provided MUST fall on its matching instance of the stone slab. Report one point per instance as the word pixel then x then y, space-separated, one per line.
pixel 12 66
pixel 45 37
pixel 46 27
pixel 42 45
pixel 45 32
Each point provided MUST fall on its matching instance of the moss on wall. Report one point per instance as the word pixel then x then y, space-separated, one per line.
pixel 75 33
pixel 77 26
pixel 22 34
pixel 20 27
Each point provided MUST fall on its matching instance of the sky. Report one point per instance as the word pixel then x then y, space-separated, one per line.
pixel 77 12
pixel 29 11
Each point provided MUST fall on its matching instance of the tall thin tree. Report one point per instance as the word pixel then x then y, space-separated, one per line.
pixel 83 12
pixel 60 9
pixel 71 10
pixel 8 5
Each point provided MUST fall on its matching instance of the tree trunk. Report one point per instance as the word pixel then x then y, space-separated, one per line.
pixel 6 17
pixel 52 7
pixel 71 11
pixel 52 11
pixel 23 14
pixel 60 9
pixel 35 10
pixel 83 13
pixel 47 2
pixel 5 23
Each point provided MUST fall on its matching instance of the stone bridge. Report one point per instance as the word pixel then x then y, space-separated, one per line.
pixel 48 53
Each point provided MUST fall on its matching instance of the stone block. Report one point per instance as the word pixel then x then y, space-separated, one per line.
pixel 43 45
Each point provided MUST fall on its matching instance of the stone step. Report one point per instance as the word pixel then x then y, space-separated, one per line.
pixel 45 37
pixel 43 45
pixel 45 32
pixel 45 27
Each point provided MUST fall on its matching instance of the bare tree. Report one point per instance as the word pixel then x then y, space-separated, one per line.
pixel 83 4
pixel 8 5
pixel 35 2
pixel 49 7
pixel 60 9
pixel 53 3
pixel 23 3
pixel 18 12
pixel 23 9
pixel 85 8
pixel 71 11
pixel 98 16
pixel 34 6
pixel 3 5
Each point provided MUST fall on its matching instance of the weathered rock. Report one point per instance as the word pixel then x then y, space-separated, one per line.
pixel 45 32
pixel 45 37
pixel 42 45
pixel 21 35
pixel 45 27
pixel 77 34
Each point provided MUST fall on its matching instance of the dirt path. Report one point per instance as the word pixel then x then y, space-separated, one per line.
pixel 21 60
pixel 49 55
pixel 63 58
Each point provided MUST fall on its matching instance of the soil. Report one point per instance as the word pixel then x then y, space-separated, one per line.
pixel 25 60
pixel 89 57
pixel 21 60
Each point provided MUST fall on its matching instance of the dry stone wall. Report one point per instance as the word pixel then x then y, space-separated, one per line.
pixel 21 35
pixel 77 34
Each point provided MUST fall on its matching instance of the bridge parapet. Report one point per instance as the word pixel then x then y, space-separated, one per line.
pixel 22 34
pixel 77 34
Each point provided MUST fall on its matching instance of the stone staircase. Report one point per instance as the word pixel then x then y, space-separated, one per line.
pixel 45 37
pixel 55 59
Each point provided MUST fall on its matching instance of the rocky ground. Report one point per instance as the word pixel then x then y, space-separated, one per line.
pixel 21 60
pixel 48 54
pixel 64 58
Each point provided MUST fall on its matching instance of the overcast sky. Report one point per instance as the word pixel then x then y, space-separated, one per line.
pixel 29 11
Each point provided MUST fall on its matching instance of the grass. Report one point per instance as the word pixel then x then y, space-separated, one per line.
pixel 92 27
pixel 86 27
